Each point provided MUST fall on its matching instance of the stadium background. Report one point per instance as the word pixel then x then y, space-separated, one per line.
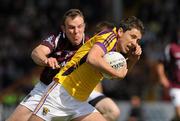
pixel 23 24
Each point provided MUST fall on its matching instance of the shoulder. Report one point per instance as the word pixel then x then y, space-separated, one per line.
pixel 108 30
pixel 52 40
pixel 105 32
pixel 172 47
pixel 51 36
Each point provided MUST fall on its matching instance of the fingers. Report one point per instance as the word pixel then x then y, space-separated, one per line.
pixel 123 72
pixel 52 62
pixel 138 50
pixel 134 53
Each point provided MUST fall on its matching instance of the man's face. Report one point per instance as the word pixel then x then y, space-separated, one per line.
pixel 74 29
pixel 128 40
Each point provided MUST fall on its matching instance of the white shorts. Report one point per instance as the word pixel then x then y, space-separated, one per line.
pixel 175 96
pixel 33 98
pixel 94 95
pixel 58 103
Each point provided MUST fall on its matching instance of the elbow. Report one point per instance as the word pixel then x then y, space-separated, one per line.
pixel 90 60
pixel 33 53
pixel 35 57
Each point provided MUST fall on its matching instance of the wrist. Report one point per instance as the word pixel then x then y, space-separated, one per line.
pixel 45 61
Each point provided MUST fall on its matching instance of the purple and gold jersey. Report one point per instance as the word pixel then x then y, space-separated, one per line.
pixel 80 78
pixel 172 54
pixel 62 50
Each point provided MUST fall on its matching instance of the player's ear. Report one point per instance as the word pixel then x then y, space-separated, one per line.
pixel 63 28
pixel 120 31
pixel 84 26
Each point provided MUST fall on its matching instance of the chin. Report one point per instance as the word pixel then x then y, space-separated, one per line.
pixel 77 42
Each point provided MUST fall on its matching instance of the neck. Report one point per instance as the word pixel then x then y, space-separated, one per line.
pixel 117 47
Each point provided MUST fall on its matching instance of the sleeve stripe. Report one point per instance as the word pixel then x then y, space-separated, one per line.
pixel 114 48
pixel 106 41
pixel 109 39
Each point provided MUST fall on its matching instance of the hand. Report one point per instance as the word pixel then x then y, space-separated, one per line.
pixel 122 72
pixel 52 62
pixel 165 83
pixel 134 53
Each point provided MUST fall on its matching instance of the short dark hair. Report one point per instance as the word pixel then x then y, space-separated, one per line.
pixel 72 13
pixel 131 22
pixel 104 25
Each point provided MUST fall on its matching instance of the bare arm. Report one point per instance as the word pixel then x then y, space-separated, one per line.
pixel 162 76
pixel 95 58
pixel 40 57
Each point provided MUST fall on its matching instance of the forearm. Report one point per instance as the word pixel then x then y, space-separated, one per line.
pixel 102 66
pixel 95 58
pixel 39 55
pixel 161 73
pixel 39 58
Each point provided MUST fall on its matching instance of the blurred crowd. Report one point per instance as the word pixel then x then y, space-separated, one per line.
pixel 24 23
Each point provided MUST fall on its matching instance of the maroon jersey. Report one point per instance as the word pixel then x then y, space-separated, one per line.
pixel 62 50
pixel 172 54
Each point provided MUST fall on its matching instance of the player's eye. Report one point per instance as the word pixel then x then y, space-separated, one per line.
pixel 81 26
pixel 71 27
pixel 133 36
